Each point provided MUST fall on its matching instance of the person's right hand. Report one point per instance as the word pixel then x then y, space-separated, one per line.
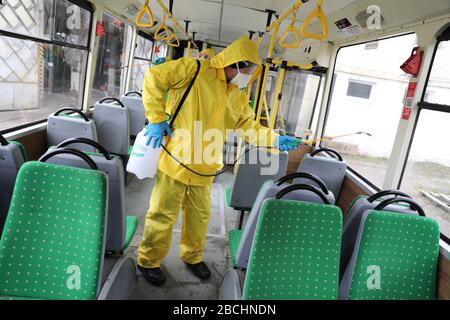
pixel 155 132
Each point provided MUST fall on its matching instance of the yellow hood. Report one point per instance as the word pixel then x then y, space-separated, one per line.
pixel 242 49
pixel 210 52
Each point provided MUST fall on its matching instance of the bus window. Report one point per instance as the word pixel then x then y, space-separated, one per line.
pixel 300 95
pixel 438 90
pixel 112 59
pixel 161 50
pixel 142 61
pixel 427 172
pixel 43 60
pixel 368 94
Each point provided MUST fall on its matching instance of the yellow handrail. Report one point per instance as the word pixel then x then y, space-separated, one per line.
pixel 323 22
pixel 175 22
pixel 290 29
pixel 145 9
pixel 174 36
pixel 163 28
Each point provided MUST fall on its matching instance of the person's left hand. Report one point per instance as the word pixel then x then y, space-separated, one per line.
pixel 286 143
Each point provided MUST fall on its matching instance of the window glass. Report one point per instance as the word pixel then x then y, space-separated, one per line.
pixel 359 90
pixel 427 174
pixel 161 50
pixel 37 78
pixel 366 104
pixel 52 20
pixel 299 97
pixel 112 59
pixel 438 90
pixel 142 61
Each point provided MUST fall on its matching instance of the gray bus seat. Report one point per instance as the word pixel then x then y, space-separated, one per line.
pixel 252 172
pixel 137 112
pixel 61 126
pixel 113 126
pixel 240 241
pixel 352 219
pixel 120 227
pixel 331 170
pixel 65 218
pixel 391 261
pixel 12 157
pixel 295 254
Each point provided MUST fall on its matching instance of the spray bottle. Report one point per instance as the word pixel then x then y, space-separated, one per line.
pixel 144 159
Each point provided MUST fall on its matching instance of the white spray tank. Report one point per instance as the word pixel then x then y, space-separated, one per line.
pixel 144 159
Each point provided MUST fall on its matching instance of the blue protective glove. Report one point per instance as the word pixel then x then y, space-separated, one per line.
pixel 159 61
pixel 286 143
pixel 156 133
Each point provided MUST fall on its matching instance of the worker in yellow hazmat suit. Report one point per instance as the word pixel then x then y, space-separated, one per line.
pixel 215 102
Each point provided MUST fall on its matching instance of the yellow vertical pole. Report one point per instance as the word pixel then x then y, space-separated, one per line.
pixel 276 104
pixel 188 49
pixel 265 76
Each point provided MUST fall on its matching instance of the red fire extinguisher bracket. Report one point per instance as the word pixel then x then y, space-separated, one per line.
pixel 414 62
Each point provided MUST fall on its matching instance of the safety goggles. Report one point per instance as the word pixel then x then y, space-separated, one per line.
pixel 245 67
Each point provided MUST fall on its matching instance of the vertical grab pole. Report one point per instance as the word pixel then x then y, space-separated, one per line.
pixel 189 49
pixel 276 104
pixel 265 77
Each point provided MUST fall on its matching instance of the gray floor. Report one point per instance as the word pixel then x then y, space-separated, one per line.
pixel 181 284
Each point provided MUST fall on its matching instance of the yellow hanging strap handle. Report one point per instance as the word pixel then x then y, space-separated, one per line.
pixel 163 28
pixel 290 29
pixel 145 10
pixel 174 41
pixel 323 22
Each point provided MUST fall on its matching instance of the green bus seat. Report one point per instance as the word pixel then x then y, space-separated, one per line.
pixel 52 245
pixel 295 254
pixel 395 258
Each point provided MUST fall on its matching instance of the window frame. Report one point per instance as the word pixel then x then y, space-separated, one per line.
pixel 423 105
pixel 330 98
pixel 84 4
pixel 148 37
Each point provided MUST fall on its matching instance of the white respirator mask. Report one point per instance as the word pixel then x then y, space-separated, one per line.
pixel 241 80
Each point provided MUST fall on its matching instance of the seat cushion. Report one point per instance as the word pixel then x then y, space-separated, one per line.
pixel 234 240
pixel 228 196
pixel 131 223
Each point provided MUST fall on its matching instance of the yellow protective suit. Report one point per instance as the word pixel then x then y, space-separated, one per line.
pixel 214 104
pixel 210 53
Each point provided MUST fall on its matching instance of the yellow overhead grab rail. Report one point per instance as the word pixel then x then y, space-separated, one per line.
pixel 290 29
pixel 163 28
pixel 175 23
pixel 174 41
pixel 323 22
pixel 139 17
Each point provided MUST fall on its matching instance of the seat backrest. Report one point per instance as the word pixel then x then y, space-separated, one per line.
pixel 61 127
pixel 331 170
pixel 395 258
pixel 113 126
pixel 112 166
pixel 12 157
pixel 256 167
pixel 296 251
pixel 137 113
pixel 353 217
pixel 268 191
pixel 52 244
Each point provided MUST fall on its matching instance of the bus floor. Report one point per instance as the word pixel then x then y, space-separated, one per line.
pixel 181 283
